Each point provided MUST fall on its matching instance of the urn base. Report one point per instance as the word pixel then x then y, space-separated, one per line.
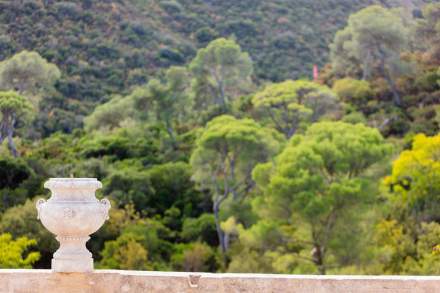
pixel 73 265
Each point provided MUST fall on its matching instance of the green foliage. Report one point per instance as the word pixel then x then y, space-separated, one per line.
pixel 125 253
pixel 200 229
pixel 292 105
pixel 413 181
pixel 119 145
pixel 156 190
pixel 194 257
pixel 21 220
pixel 374 33
pixel 355 92
pixel 399 254
pixel 110 115
pixel 140 105
pixel 166 102
pixel 222 72
pixel 11 103
pixel 13 172
pixel 16 182
pixel 225 154
pixel 318 179
pixel 11 252
pixel 27 72
pixel 13 108
pixel 428 32
pixel 267 246
pixel 372 41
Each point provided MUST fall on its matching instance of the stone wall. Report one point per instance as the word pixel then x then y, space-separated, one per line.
pixel 108 281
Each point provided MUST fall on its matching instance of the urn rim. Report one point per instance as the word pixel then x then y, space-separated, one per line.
pixel 72 183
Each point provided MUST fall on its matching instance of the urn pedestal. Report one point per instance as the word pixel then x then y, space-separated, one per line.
pixel 72 213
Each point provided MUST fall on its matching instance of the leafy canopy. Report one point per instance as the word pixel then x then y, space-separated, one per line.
pixel 230 145
pixel 27 72
pixel 13 252
pixel 373 34
pixel 12 103
pixel 356 92
pixel 221 72
pixel 317 179
pixel 225 154
pixel 415 177
pixel 292 104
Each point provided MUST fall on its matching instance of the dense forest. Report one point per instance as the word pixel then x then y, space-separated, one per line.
pixel 219 147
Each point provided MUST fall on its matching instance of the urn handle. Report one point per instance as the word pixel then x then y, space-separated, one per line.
pixel 38 204
pixel 106 207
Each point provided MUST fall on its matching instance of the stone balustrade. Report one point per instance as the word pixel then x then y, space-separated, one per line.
pixel 109 281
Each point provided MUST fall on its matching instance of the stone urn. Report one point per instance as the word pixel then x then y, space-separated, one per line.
pixel 72 213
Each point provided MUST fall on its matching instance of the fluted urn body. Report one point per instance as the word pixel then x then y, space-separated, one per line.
pixel 72 213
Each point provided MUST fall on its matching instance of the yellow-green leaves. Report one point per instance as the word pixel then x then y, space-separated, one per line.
pixel 416 175
pixel 318 179
pixel 289 105
pixel 353 91
pixel 12 102
pixel 227 140
pixel 225 154
pixel 229 144
pixel 126 252
pixel 320 171
pixel 14 253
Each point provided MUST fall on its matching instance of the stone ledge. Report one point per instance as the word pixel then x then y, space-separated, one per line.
pixel 100 281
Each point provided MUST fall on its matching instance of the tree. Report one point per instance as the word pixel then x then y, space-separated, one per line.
pixel 265 247
pixel 428 33
pixel 194 257
pixel 292 104
pixel 221 72
pixel 372 41
pixel 162 101
pixel 110 115
pixel 13 252
pixel 200 229
pixel 166 101
pixel 225 154
pixel 353 91
pixel 414 181
pixel 21 220
pixel 27 72
pixel 318 180
pixel 399 251
pixel 126 252
pixel 13 107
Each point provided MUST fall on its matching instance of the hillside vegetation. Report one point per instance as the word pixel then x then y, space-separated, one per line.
pixel 107 47
pixel 217 148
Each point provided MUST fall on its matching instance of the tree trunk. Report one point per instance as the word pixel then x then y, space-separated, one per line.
pixel 318 258
pixel 389 79
pixel 11 143
pixel 220 233
pixel 7 132
pixel 392 85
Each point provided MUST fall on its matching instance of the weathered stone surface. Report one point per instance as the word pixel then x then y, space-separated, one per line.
pixel 72 213
pixel 108 281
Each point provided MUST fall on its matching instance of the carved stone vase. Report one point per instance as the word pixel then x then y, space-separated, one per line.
pixel 72 213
